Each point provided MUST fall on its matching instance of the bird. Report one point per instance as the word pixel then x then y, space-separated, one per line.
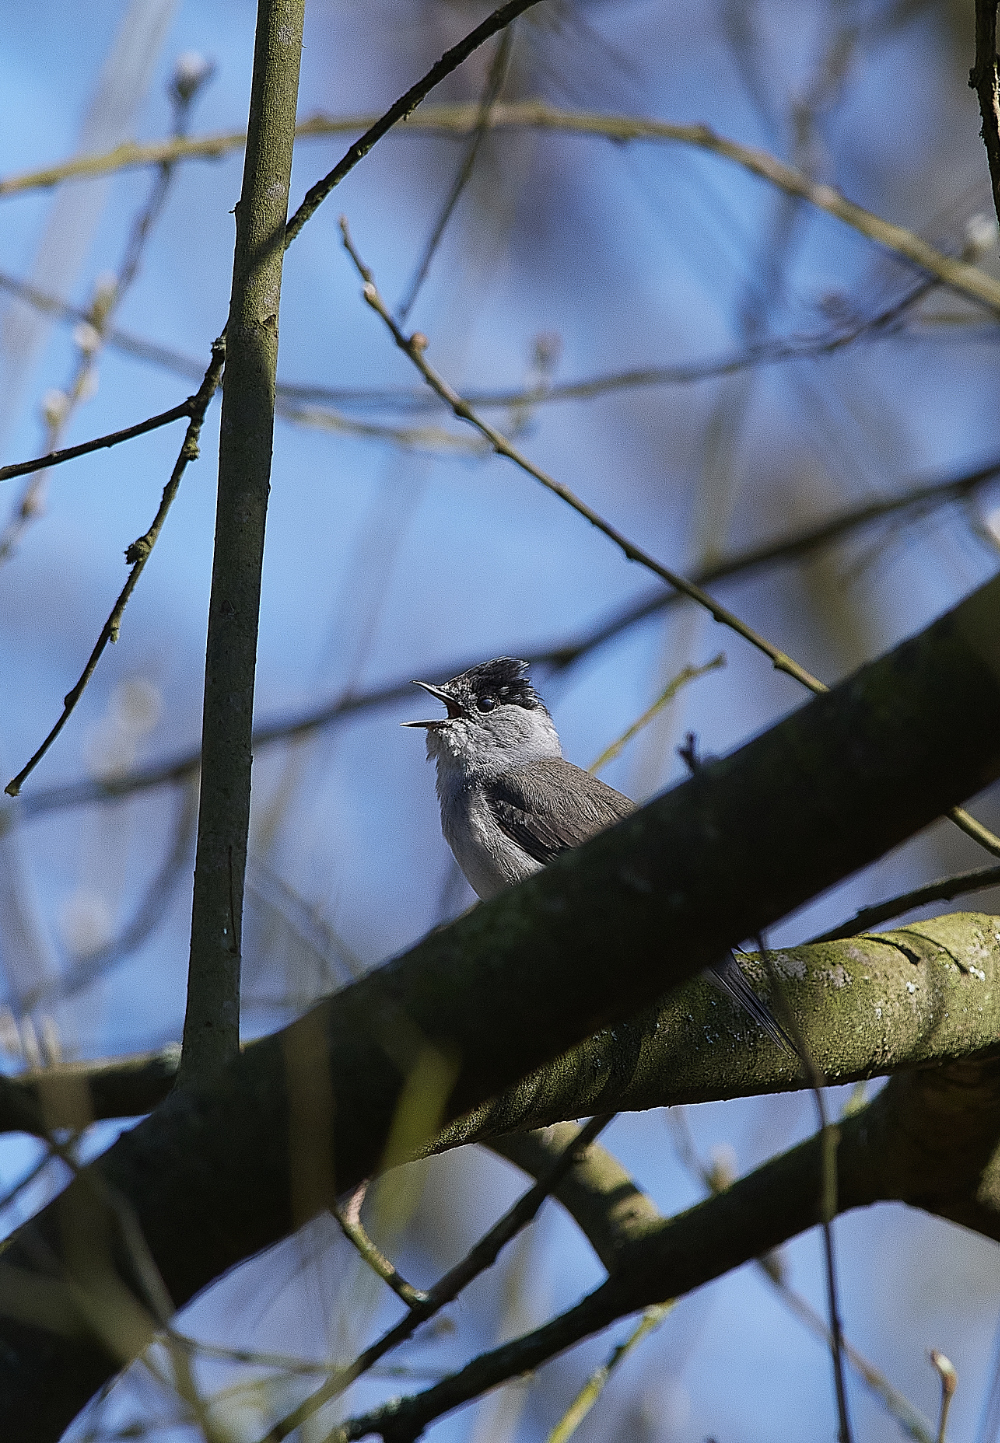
pixel 511 803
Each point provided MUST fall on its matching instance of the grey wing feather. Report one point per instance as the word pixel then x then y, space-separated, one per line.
pixel 549 806
pixel 729 979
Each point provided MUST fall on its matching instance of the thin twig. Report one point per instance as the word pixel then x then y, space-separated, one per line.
pixel 463 120
pixel 686 674
pixel 595 1384
pixel 480 1257
pixel 945 1370
pixel 415 345
pixel 941 891
pixel 114 438
pixel 403 107
pixel 829 1139
pixel 974 829
pixel 137 555
pixel 348 1215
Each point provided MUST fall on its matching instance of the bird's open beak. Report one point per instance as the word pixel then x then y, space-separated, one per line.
pixel 454 709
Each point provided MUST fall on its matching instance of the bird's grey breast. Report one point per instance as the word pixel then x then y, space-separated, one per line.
pixel 487 855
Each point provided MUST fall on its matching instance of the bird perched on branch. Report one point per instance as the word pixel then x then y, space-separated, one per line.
pixel 510 802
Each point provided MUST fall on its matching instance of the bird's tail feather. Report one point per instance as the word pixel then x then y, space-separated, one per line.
pixel 728 978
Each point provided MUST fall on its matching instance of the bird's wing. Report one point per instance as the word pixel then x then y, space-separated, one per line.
pixel 548 806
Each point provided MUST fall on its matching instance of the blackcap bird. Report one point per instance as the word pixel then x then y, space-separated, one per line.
pixel 510 802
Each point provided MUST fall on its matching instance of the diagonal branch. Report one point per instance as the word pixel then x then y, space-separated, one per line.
pixel 404 107
pixel 598 935
pixel 414 347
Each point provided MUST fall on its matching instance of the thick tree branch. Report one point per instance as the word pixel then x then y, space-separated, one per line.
pixel 928 1139
pixel 868 1007
pixel 223 1169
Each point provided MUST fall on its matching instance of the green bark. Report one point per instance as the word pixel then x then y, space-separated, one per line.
pixel 212 1018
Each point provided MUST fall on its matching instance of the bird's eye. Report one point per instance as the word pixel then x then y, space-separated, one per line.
pixel 486 703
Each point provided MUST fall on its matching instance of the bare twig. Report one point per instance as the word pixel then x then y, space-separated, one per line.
pixel 945 1370
pixel 137 555
pixel 348 1215
pixel 415 345
pixel 464 119
pixel 482 1256
pixel 941 891
pixel 114 438
pixel 686 674
pixel 595 1384
pixel 403 107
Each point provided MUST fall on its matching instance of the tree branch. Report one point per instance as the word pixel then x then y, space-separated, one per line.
pixel 927 1139
pixel 136 555
pixel 114 438
pixel 212 1018
pixel 222 1169
pixel 462 120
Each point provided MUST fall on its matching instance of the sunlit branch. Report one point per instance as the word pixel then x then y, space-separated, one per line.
pixel 463 120
pixel 414 347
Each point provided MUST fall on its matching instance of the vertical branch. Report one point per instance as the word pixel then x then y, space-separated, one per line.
pixel 211 1023
pixel 983 80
